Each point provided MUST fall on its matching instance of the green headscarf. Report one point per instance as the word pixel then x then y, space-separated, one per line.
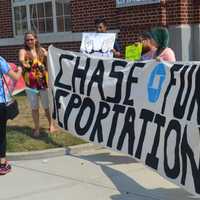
pixel 160 36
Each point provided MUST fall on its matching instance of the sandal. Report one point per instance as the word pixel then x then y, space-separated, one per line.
pixel 35 133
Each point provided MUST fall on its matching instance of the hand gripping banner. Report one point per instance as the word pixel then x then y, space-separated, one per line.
pixel 147 110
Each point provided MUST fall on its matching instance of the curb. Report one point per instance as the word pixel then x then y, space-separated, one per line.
pixel 82 148
pixel 50 153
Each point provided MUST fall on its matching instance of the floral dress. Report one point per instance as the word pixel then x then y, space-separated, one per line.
pixel 35 73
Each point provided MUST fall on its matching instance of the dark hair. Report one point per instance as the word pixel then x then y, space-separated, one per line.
pixel 99 21
pixel 146 35
pixel 161 36
pixel 38 48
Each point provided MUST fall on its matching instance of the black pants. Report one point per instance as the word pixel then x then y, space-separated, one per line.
pixel 3 122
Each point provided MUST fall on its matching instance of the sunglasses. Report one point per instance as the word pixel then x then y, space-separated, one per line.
pixel 29 40
pixel 100 27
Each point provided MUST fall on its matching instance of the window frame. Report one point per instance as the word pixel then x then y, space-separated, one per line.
pixel 27 3
pixel 63 15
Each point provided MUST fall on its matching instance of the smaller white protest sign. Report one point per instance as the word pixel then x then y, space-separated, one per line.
pixel 98 44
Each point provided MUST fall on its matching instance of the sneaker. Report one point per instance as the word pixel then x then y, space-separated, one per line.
pixel 5 168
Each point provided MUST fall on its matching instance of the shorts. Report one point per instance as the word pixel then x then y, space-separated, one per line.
pixel 33 99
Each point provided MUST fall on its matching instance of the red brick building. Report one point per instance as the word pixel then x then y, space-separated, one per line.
pixel 61 22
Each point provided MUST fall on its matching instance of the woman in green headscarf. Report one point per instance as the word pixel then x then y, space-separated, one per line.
pixel 160 39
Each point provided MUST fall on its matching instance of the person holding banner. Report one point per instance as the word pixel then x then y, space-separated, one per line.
pixel 33 59
pixel 101 27
pixel 5 69
pixel 148 50
pixel 158 39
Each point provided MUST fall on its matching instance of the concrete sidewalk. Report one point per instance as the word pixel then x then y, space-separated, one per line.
pixel 90 175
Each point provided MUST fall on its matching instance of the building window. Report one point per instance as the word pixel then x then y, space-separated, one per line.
pixel 41 17
pixel 45 16
pixel 21 24
pixel 63 15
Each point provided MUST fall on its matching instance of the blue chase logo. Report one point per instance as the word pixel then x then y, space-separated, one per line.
pixel 155 83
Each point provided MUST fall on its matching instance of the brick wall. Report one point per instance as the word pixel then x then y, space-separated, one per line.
pixel 194 12
pixel 137 19
pixel 5 19
pixel 131 21
pixel 84 13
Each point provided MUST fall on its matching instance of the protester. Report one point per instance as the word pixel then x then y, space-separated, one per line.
pixel 148 49
pixel 101 27
pixel 33 59
pixel 5 69
pixel 158 40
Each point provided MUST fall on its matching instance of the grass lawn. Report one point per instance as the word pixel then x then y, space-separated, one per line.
pixel 19 131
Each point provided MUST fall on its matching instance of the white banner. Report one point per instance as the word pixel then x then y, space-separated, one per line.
pixel 98 44
pixel 148 110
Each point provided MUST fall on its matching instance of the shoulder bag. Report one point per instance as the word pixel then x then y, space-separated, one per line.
pixel 12 109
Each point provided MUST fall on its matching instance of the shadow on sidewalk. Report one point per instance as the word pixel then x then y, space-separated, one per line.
pixel 127 186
